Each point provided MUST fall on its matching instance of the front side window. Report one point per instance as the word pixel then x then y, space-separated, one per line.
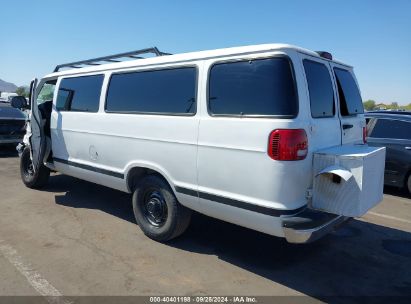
pixel 320 89
pixel 349 95
pixel 261 87
pixel 169 91
pixel 81 94
pixel 46 93
pixel 389 128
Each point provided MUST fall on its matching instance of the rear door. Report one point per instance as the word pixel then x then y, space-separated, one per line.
pixel 351 109
pixel 324 119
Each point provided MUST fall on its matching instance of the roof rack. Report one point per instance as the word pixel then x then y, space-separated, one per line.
pixel 111 58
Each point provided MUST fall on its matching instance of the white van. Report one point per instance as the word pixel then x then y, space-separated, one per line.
pixel 229 133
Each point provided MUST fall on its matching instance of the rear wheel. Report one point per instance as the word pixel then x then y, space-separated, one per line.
pixel 157 211
pixel 32 179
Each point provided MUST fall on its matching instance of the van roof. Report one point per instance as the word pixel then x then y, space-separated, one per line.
pixel 185 57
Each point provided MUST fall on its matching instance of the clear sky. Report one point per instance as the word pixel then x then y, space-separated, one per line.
pixel 373 36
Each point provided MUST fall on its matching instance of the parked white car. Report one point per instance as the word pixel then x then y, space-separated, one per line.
pixel 6 97
pixel 230 133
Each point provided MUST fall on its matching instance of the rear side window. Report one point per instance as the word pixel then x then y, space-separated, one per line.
pixel 263 87
pixel 388 128
pixel 171 91
pixel 81 94
pixel 320 89
pixel 350 98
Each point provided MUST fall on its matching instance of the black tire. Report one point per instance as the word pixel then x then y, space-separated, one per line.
pixel 158 213
pixel 408 184
pixel 31 179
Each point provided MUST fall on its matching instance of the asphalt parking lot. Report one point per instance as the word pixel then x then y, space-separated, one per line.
pixel 77 238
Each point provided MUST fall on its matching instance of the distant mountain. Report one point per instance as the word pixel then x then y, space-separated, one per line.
pixel 7 86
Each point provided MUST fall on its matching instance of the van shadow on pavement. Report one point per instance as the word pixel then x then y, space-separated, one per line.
pixel 360 259
pixel 82 194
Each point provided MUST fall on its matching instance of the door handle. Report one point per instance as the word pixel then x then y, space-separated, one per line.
pixel 347 126
pixel 407 148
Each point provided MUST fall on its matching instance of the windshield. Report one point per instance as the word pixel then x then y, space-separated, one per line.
pixel 46 92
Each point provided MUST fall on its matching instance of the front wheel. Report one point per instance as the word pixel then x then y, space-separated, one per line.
pixel 32 179
pixel 408 184
pixel 157 211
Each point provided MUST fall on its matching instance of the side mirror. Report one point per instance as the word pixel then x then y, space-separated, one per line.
pixel 19 102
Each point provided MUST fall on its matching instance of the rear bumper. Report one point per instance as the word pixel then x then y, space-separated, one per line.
pixel 310 225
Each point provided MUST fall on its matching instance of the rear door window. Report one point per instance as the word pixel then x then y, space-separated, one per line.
pixel 390 128
pixel 320 89
pixel 261 87
pixel 349 95
pixel 81 94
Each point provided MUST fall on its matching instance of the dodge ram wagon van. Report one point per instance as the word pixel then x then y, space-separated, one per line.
pixel 231 133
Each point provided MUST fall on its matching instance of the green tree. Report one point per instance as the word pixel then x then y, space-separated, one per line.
pixel 22 91
pixel 369 105
pixel 394 105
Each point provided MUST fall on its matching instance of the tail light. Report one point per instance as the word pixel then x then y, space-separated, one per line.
pixel 288 144
pixel 364 135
